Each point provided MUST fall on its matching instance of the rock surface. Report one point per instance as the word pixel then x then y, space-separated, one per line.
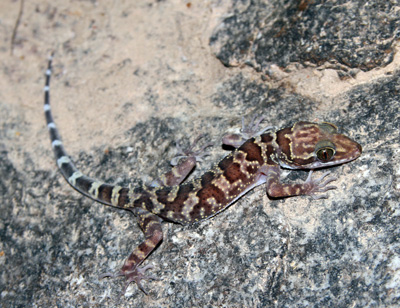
pixel 130 79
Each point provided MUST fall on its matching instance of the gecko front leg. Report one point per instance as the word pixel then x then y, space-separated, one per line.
pixel 277 189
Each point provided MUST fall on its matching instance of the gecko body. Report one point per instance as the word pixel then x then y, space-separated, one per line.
pixel 255 161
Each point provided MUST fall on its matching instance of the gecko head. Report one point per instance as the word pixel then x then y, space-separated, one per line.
pixel 308 145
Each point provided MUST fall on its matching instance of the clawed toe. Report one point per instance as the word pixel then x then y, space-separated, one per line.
pixel 190 152
pixel 246 132
pixel 320 185
pixel 136 275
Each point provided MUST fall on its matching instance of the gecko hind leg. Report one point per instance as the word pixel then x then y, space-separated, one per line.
pixel 133 272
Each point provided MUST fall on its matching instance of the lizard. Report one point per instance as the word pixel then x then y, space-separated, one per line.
pixel 257 158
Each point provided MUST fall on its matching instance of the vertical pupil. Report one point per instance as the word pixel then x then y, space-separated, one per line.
pixel 325 154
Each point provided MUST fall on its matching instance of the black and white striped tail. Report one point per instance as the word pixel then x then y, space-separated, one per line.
pixel 99 191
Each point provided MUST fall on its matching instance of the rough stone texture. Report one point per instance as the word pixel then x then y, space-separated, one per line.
pixel 131 78
pixel 351 34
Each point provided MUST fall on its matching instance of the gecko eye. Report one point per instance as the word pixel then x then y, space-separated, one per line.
pixel 325 150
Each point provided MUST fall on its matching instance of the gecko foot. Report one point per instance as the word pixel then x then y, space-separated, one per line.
pixel 246 132
pixel 136 275
pixel 190 152
pixel 319 185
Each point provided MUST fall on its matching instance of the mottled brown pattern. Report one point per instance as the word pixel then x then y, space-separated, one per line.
pixel 233 173
pixel 207 178
pixel 300 161
pixel 284 142
pixel 270 153
pixel 184 191
pixel 234 191
pixel 239 155
pixel 162 194
pixel 177 204
pixel 252 150
pixel 267 138
pixel 217 193
pixel 226 162
pixel 252 169
pixel 142 198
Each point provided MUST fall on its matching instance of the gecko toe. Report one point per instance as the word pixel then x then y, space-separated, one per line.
pixel 190 152
pixel 320 185
pixel 136 275
pixel 139 274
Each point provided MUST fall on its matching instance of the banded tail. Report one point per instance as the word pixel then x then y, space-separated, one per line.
pixel 105 193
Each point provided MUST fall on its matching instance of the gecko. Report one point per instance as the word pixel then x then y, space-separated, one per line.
pixel 257 158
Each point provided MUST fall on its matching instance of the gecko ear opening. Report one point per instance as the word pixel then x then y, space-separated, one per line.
pixel 328 127
pixel 325 150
